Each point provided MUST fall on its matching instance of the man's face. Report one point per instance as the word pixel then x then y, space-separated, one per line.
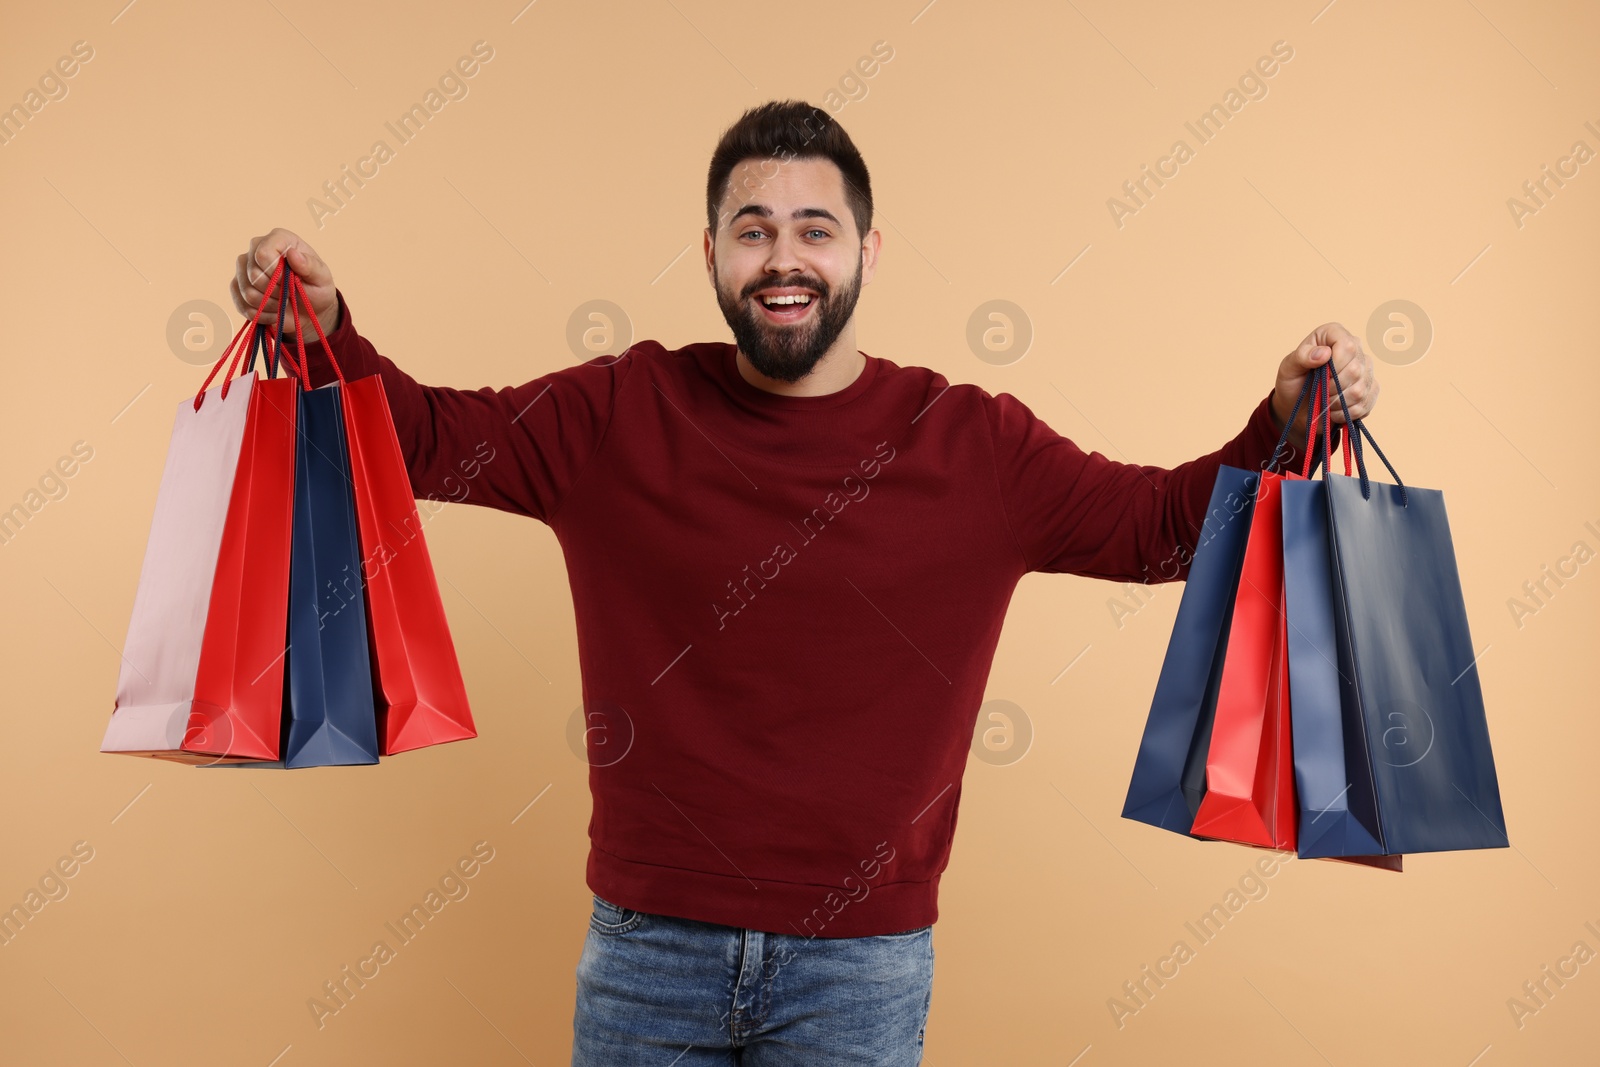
pixel 787 263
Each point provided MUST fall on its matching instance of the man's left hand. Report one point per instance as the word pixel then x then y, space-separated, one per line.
pixel 1357 378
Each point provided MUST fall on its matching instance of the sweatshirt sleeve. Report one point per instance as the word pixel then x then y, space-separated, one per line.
pixel 1085 514
pixel 517 448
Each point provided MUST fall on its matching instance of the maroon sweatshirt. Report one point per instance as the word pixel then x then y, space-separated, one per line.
pixel 786 607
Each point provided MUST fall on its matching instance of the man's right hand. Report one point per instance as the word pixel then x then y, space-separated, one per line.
pixel 254 271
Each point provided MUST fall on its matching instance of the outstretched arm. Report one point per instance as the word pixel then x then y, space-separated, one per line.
pixel 517 448
pixel 1083 513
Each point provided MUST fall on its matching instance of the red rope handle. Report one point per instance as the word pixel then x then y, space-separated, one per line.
pixel 302 370
pixel 299 287
pixel 1322 410
pixel 247 331
pixel 1313 424
pixel 249 340
pixel 294 291
pixel 1345 440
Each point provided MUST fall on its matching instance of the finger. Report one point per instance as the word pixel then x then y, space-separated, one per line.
pixel 1329 408
pixel 263 259
pixel 313 272
pixel 1349 369
pixel 243 288
pixel 249 287
pixel 1309 354
pixel 288 243
pixel 248 298
pixel 1341 345
pixel 1346 350
pixel 266 253
pixel 1346 396
pixel 251 277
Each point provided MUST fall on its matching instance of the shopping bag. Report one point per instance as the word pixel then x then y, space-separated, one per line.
pixel 1170 774
pixel 1249 791
pixel 1418 770
pixel 1168 780
pixel 329 713
pixel 421 697
pixel 1401 621
pixel 202 673
pixel 1333 780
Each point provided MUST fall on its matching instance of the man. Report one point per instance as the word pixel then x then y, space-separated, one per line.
pixel 790 562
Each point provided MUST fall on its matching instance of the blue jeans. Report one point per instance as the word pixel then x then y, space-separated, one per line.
pixel 667 992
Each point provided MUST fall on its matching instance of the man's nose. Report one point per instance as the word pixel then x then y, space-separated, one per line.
pixel 783 255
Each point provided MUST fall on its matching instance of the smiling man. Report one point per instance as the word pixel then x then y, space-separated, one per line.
pixel 790 562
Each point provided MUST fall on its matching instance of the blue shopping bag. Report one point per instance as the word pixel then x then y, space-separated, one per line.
pixel 1392 750
pixel 1169 773
pixel 1338 802
pixel 330 716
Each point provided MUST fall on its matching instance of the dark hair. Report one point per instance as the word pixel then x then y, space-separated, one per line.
pixel 786 130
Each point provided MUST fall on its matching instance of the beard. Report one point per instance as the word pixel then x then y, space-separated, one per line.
pixel 788 353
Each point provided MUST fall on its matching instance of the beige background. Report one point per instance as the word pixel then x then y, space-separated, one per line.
pixel 1377 167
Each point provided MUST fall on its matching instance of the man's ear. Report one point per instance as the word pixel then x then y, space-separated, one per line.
pixel 870 247
pixel 711 257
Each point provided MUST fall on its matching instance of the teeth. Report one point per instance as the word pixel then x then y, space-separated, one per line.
pixel 772 300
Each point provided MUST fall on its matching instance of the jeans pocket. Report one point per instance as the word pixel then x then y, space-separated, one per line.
pixel 609 918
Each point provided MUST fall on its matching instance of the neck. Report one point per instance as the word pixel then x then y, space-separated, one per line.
pixel 840 366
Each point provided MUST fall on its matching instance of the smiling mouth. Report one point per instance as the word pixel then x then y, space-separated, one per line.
pixel 786 308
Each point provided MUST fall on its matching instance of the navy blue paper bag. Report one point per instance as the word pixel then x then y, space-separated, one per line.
pixel 1403 619
pixel 330 716
pixel 1412 735
pixel 1169 773
pixel 1333 780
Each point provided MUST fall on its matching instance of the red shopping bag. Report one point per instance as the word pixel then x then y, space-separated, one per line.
pixel 1250 788
pixel 1250 765
pixel 202 667
pixel 422 699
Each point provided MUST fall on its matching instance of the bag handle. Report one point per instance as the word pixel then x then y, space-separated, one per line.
pixel 298 289
pixel 298 297
pixel 256 339
pixel 1319 398
pixel 257 347
pixel 1357 428
pixel 250 338
pixel 1320 409
pixel 1315 383
pixel 269 350
pixel 1283 438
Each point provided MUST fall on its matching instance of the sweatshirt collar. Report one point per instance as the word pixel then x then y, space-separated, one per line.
pixel 756 396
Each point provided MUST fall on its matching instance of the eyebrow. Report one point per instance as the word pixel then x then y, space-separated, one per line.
pixel 799 213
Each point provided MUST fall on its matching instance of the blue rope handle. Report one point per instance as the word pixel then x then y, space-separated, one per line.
pixel 1318 459
pixel 1283 438
pixel 1357 430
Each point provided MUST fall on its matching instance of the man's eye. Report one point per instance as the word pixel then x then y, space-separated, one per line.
pixel 752 233
pixel 822 232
